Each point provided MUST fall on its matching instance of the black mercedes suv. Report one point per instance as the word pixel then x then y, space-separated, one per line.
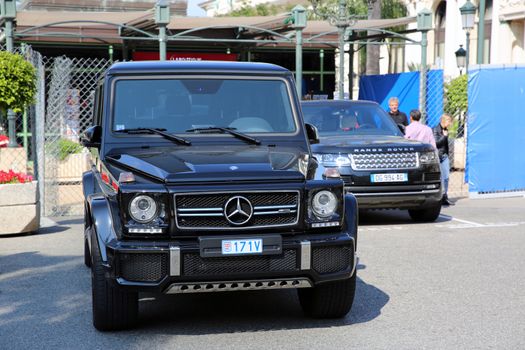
pixel 378 165
pixel 203 181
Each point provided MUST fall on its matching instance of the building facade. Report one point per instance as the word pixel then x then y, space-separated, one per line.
pixel 504 39
pixel 177 7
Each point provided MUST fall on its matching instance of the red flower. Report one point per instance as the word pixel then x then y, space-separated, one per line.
pixel 10 177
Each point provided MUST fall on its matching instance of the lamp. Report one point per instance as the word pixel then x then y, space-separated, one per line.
pixel 461 58
pixel 162 12
pixel 162 19
pixel 468 13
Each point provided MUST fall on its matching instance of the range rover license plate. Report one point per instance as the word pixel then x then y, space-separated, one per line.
pixel 400 177
pixel 242 246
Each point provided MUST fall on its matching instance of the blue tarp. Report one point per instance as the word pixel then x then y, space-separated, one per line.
pixel 405 86
pixel 496 129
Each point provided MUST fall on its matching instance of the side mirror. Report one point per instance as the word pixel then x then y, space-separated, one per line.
pixel 92 136
pixel 312 133
pixel 402 128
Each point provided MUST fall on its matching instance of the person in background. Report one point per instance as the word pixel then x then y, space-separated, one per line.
pixel 441 137
pixel 419 131
pixel 397 116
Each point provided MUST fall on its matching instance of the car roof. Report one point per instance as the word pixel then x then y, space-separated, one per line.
pixel 338 103
pixel 196 66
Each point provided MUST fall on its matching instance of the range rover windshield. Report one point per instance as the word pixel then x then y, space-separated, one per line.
pixel 189 105
pixel 357 119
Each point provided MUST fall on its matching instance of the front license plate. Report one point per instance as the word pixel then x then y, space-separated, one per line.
pixel 242 246
pixel 401 177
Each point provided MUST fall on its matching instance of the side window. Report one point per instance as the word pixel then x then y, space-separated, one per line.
pixel 97 105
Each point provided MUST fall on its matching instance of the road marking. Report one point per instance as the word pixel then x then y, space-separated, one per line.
pixel 460 220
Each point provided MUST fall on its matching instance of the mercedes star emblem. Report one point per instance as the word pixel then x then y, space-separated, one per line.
pixel 238 210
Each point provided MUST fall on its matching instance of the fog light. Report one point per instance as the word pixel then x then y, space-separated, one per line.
pixel 325 224
pixel 145 230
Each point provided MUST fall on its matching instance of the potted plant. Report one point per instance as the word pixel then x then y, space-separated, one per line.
pixel 19 209
pixel 18 203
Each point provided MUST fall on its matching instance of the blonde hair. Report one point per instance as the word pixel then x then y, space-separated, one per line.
pixel 446 115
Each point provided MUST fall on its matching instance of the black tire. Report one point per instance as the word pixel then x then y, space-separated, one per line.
pixel 425 215
pixel 113 309
pixel 328 300
pixel 87 255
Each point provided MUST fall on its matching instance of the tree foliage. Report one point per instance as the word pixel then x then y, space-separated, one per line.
pixel 17 82
pixel 264 9
pixel 456 100
pixel 359 8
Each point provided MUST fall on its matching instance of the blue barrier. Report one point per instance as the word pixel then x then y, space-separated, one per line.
pixel 405 86
pixel 496 129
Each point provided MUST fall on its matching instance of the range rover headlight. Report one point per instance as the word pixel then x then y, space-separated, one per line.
pixel 324 204
pixel 143 209
pixel 329 159
pixel 429 157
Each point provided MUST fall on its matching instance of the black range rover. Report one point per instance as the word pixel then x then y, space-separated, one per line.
pixel 378 165
pixel 203 181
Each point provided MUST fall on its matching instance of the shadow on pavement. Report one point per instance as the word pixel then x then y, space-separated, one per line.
pixel 391 217
pixel 215 313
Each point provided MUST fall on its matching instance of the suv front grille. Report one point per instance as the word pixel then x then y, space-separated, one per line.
pixel 143 267
pixel 195 265
pixel 206 211
pixel 384 161
pixel 332 259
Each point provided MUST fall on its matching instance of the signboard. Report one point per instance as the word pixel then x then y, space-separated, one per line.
pixel 184 56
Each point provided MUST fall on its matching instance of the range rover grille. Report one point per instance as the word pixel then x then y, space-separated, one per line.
pixel 206 211
pixel 384 161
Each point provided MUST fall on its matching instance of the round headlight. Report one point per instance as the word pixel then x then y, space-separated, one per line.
pixel 143 209
pixel 324 204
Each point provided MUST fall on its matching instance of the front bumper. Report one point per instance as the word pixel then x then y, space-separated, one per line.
pixel 178 267
pixel 398 197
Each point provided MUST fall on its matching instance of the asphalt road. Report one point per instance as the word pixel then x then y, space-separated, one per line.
pixel 455 284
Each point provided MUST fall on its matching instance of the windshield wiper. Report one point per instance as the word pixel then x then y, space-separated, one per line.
pixel 158 131
pixel 230 131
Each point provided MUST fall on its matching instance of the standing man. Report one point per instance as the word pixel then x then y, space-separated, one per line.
pixel 397 116
pixel 441 137
pixel 418 131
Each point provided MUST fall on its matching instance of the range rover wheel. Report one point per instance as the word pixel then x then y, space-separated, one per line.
pixel 113 309
pixel 328 300
pixel 425 215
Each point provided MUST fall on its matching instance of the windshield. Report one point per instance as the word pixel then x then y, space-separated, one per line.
pixel 349 119
pixel 179 105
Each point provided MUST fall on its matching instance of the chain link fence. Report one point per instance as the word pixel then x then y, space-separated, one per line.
pixel 22 158
pixel 451 98
pixel 48 133
pixel 70 84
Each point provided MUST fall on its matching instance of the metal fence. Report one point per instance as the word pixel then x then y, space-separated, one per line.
pixel 48 133
pixel 449 95
pixel 70 83
pixel 24 158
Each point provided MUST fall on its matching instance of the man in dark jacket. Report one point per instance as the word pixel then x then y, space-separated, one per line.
pixel 441 137
pixel 397 116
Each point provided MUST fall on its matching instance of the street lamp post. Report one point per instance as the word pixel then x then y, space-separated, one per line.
pixel 162 19
pixel 468 12
pixel 299 23
pixel 461 55
pixel 8 15
pixel 342 20
pixel 424 24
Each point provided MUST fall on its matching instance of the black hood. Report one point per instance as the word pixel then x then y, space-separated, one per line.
pixel 214 163
pixel 360 143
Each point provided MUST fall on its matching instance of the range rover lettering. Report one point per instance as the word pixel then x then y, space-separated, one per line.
pixel 378 165
pixel 203 181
